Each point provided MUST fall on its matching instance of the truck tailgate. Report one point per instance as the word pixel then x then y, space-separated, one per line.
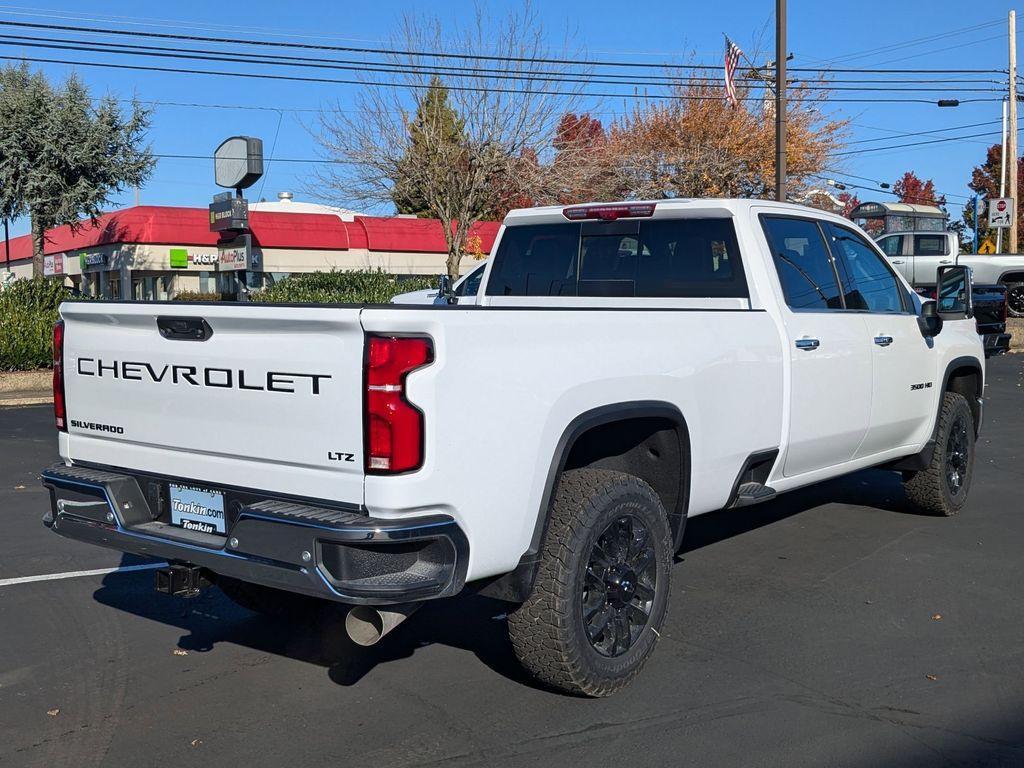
pixel 271 400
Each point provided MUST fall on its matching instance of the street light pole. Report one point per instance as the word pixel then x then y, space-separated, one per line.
pixel 780 100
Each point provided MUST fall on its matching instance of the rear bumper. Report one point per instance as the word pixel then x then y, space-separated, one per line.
pixel 339 555
pixel 996 343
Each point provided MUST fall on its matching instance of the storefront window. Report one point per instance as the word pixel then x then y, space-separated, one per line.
pixel 91 284
pixel 206 282
pixel 151 287
pixel 113 286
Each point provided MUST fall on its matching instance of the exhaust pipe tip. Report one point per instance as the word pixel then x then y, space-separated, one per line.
pixel 367 625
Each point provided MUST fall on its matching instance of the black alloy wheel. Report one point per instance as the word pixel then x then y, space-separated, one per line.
pixel 619 586
pixel 1015 300
pixel 942 486
pixel 957 448
pixel 601 593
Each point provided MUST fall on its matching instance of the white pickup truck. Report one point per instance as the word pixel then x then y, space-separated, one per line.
pixel 917 256
pixel 627 366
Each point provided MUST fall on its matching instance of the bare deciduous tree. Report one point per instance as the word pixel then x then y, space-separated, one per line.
pixel 508 108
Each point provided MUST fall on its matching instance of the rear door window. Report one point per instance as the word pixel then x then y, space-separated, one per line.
pixel 663 258
pixel 803 262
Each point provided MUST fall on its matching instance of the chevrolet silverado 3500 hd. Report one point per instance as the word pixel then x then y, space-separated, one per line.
pixel 628 366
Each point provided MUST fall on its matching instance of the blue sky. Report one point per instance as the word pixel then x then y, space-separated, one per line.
pixel 682 31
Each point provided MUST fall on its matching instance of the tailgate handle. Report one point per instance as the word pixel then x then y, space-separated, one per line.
pixel 184 328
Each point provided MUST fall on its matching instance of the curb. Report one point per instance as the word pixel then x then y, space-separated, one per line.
pixel 28 398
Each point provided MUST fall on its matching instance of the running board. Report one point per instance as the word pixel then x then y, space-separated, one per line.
pixel 752 493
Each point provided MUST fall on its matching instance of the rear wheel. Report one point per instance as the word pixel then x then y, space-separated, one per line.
pixel 942 488
pixel 602 587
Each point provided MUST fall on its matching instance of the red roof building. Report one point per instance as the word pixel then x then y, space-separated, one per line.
pixel 154 252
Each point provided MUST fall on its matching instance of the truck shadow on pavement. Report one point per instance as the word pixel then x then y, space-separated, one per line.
pixel 468 622
pixel 874 488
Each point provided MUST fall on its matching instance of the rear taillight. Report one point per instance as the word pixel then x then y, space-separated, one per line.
pixel 394 427
pixel 59 409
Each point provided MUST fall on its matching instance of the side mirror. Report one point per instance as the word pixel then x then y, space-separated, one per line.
pixel 929 321
pixel 445 293
pixel 953 293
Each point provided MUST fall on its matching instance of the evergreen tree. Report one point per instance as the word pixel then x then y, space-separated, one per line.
pixel 435 122
pixel 61 156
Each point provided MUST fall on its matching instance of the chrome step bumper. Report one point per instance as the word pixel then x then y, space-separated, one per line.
pixel 336 554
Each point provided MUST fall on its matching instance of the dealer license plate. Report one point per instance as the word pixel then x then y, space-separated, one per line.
pixel 197 509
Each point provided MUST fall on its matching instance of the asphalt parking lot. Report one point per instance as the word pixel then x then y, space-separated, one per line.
pixel 830 627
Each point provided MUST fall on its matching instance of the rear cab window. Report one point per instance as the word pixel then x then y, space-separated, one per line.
pixel 633 258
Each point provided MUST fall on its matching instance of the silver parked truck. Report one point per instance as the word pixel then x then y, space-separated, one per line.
pixel 917 256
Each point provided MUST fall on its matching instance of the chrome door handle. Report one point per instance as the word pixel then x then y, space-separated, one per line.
pixel 896 261
pixel 807 344
pixel 883 341
pixel 945 261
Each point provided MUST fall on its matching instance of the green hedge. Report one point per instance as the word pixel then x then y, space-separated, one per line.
pixel 28 310
pixel 340 287
pixel 195 296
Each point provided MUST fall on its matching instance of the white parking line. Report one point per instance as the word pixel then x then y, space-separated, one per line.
pixel 77 574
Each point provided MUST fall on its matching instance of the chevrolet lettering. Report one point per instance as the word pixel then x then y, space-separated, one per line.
pixel 196 376
pixel 625 367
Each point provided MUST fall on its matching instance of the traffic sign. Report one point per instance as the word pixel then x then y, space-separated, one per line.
pixel 987 247
pixel 1000 212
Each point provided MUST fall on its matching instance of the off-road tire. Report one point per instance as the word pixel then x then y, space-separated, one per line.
pixel 929 489
pixel 548 631
pixel 270 602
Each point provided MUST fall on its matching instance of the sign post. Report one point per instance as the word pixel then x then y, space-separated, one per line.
pixel 977 225
pixel 1000 213
pixel 237 164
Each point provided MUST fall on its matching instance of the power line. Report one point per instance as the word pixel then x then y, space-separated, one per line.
pixel 303 161
pixel 913 144
pixel 880 188
pixel 898 135
pixel 450 55
pixel 339 81
pixel 402 68
pixel 945 49
pixel 913 42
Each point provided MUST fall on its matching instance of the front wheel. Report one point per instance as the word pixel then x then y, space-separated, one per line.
pixel 942 488
pixel 602 587
pixel 1015 299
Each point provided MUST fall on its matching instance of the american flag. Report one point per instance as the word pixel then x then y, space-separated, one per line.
pixel 732 60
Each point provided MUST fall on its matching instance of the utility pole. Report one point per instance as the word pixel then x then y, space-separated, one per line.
pixel 780 100
pixel 1011 167
pixel 1002 180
